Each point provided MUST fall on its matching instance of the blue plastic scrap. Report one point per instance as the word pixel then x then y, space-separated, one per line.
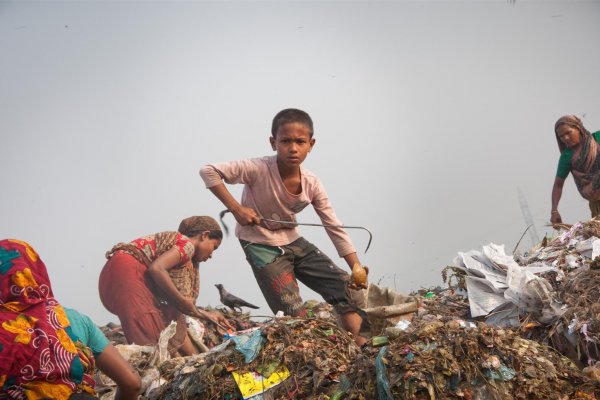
pixel 383 385
pixel 250 344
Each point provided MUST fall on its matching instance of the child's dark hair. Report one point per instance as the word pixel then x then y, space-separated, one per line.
pixel 192 226
pixel 291 115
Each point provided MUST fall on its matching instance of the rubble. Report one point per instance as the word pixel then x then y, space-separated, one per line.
pixel 433 355
pixel 147 360
pixel 532 332
pixel 554 298
pixel 315 352
pixel 448 358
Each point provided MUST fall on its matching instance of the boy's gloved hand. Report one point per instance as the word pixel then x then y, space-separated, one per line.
pixel 359 277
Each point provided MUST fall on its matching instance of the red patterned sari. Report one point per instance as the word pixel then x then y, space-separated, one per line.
pixel 38 358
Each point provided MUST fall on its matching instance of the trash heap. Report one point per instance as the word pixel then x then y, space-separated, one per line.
pixel 152 361
pixel 288 358
pixel 434 355
pixel 507 326
pixel 577 330
pixel 440 301
pixel 444 357
pixel 241 321
pixel 550 293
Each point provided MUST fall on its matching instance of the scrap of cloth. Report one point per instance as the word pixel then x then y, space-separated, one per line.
pixel 40 358
pixel 585 164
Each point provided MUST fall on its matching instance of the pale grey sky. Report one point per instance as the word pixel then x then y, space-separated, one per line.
pixel 429 116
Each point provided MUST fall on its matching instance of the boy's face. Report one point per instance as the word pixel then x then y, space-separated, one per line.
pixel 292 143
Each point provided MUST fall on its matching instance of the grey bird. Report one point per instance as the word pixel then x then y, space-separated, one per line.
pixel 232 301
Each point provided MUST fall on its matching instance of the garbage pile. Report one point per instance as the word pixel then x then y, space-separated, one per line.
pixel 434 354
pixel 444 357
pixel 443 353
pixel 550 293
pixel 439 301
pixel 522 326
pixel 152 361
pixel 290 358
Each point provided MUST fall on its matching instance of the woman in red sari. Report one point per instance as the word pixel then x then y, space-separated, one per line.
pixel 38 355
pixel 154 280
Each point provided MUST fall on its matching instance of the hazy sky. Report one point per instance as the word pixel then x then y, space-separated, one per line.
pixel 429 117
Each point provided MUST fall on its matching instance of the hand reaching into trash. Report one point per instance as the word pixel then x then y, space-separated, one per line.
pixel 188 307
pixel 216 318
pixel 555 217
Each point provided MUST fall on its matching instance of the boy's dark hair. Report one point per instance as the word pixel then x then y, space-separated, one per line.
pixel 291 115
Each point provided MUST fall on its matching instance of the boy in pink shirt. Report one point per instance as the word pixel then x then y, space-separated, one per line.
pixel 277 188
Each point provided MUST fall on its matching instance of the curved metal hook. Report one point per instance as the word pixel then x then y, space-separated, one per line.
pixel 222 214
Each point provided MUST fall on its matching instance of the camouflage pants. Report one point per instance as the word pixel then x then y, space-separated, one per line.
pixel 278 268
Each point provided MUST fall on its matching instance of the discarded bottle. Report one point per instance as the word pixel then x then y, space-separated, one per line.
pixel 429 295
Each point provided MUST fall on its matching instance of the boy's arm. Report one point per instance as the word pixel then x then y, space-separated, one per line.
pixel 245 172
pixel 243 215
pixel 338 235
pixel 351 259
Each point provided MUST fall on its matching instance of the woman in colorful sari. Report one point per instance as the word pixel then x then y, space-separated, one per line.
pixel 580 155
pixel 154 280
pixel 40 358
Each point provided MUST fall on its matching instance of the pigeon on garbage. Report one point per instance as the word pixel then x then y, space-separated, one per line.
pixel 232 301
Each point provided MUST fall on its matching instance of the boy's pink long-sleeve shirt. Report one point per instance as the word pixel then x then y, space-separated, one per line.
pixel 265 192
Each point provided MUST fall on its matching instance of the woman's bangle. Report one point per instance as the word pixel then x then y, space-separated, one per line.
pixel 554 212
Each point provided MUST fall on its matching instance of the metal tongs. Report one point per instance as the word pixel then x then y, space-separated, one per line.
pixel 292 223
